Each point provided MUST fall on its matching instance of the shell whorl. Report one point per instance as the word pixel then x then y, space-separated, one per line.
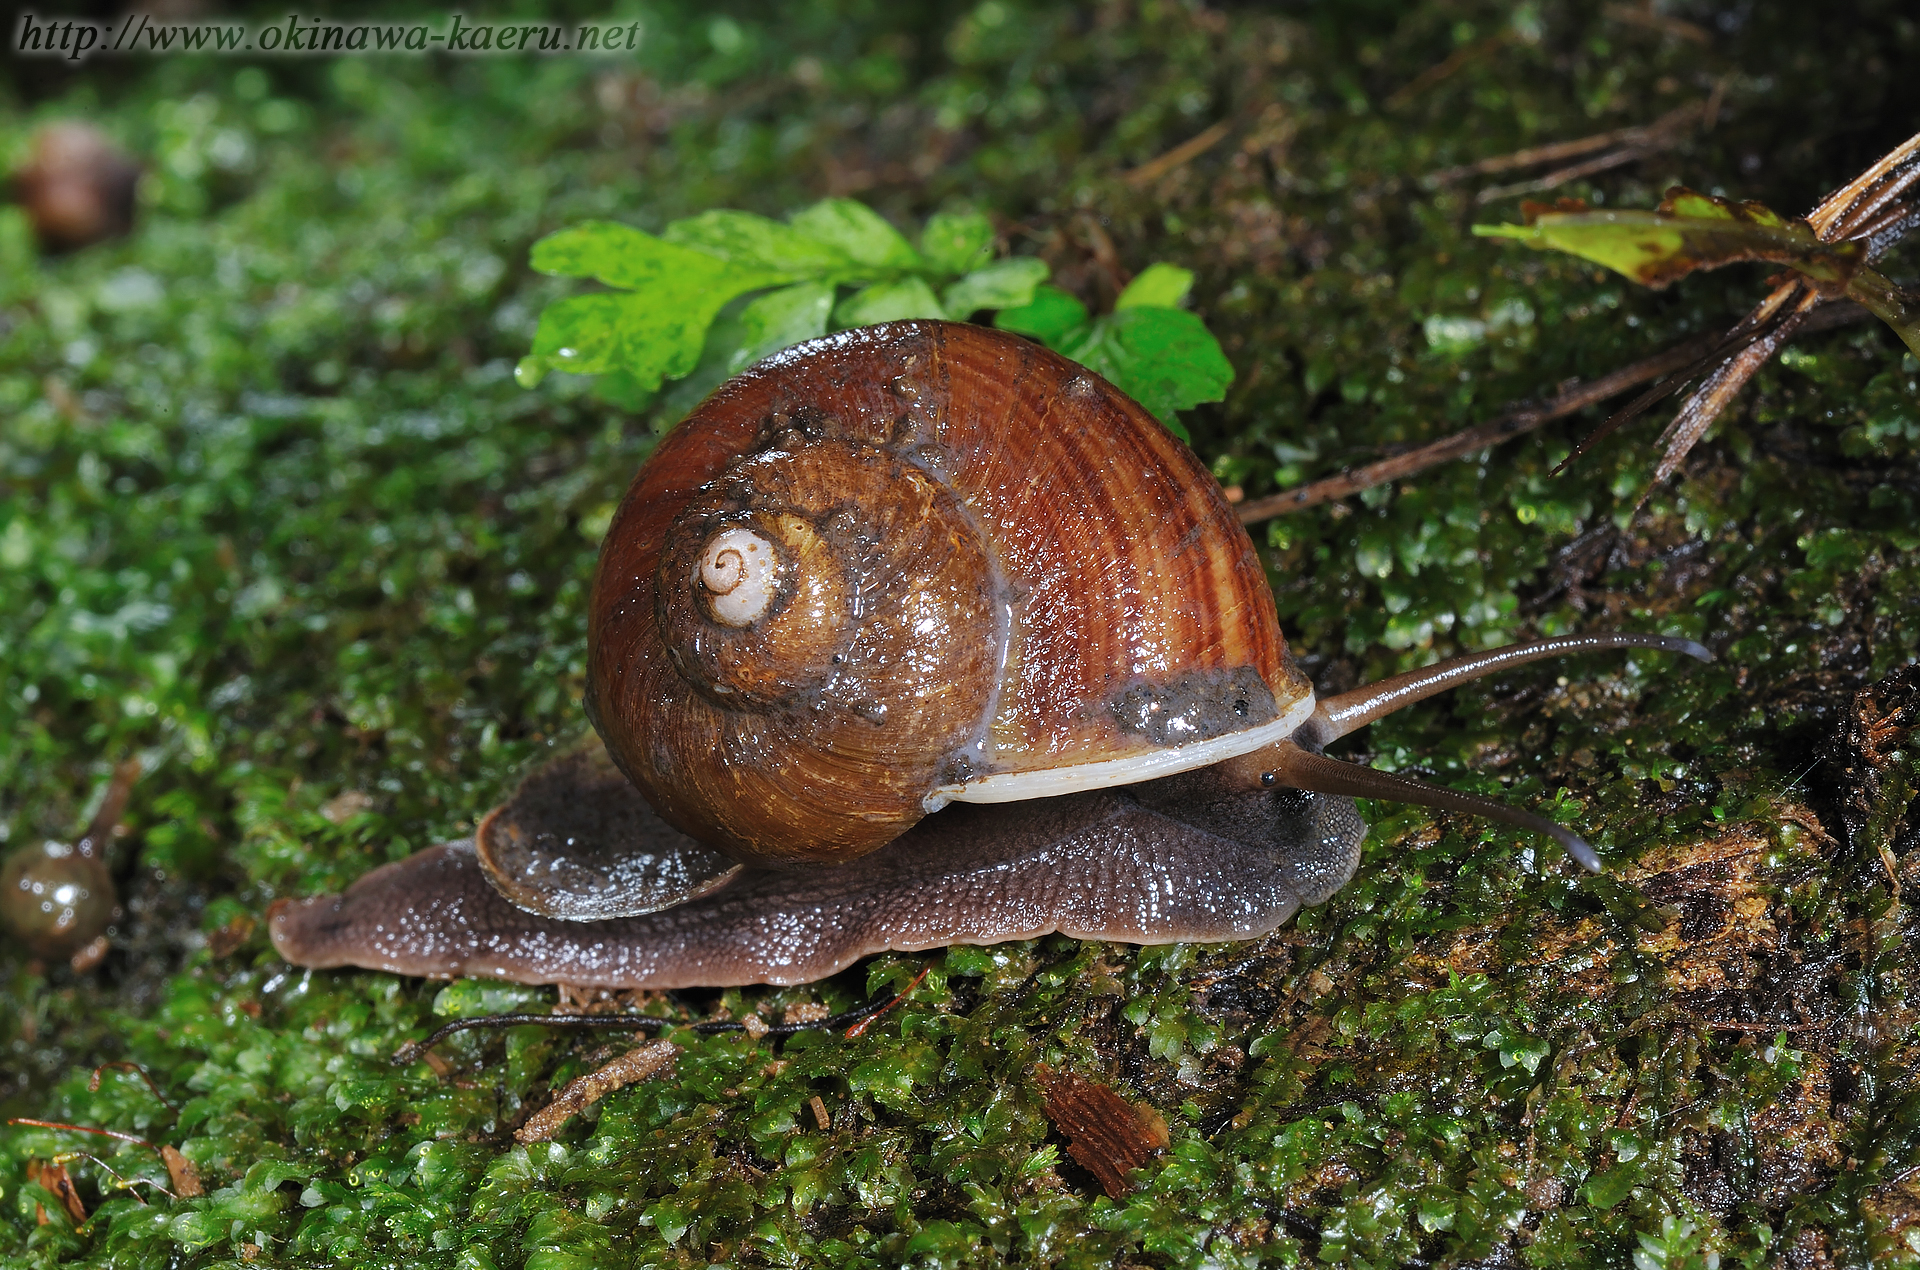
pixel 983 561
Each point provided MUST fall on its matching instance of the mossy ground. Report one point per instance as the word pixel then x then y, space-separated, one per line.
pixel 274 515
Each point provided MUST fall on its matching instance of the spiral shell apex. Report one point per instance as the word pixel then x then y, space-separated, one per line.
pixel 916 562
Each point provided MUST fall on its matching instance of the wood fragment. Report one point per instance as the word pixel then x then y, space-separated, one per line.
pixel 1555 151
pixel 184 1176
pixel 630 1068
pixel 1181 155
pixel 820 1116
pixel 1106 1135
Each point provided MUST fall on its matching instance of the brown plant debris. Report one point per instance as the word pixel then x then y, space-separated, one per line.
pixel 52 1176
pixel 1873 770
pixel 1106 1135
pixel 184 1176
pixel 630 1068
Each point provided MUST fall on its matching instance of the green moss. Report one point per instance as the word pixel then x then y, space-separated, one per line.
pixel 274 516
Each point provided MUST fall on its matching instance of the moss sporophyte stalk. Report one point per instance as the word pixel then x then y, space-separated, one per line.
pixel 278 521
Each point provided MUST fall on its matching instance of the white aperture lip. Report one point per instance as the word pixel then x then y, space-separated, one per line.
pixel 739 571
pixel 1009 787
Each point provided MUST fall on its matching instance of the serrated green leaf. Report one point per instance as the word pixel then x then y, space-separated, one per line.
pixel 765 325
pixel 1165 359
pixel 859 233
pixel 889 302
pixel 1051 317
pixel 652 331
pixel 622 256
pixel 957 243
pixel 780 319
pixel 1004 284
pixel 1655 249
pixel 754 241
pixel 649 336
pixel 1158 286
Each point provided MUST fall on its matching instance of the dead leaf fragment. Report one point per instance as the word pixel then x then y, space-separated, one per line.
pixel 185 1177
pixel 630 1068
pixel 54 1178
pixel 1106 1135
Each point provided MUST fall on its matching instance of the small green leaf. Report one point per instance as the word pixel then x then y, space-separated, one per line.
pixel 622 256
pixel 652 336
pixel 957 243
pixel 1655 249
pixel 464 998
pixel 1604 1190
pixel 1158 286
pixel 1050 318
pixel 755 241
pixel 859 233
pixel 1004 284
pixel 1165 359
pixel 652 331
pixel 889 302
pixel 765 325
pixel 780 319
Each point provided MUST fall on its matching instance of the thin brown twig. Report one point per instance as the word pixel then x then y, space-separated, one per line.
pixel 1644 15
pixel 1187 151
pixel 1441 70
pixel 1636 135
pixel 1516 421
pixel 1572 172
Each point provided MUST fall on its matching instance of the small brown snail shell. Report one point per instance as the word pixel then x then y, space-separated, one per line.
pixel 901 567
pixel 58 898
pixel 77 187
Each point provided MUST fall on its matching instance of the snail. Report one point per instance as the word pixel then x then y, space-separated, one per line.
pixel 58 898
pixel 77 187
pixel 913 635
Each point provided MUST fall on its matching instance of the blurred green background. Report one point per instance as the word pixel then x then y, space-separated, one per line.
pixel 275 518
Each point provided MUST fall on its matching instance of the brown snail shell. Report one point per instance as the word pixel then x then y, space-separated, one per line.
pixel 919 562
pixel 56 897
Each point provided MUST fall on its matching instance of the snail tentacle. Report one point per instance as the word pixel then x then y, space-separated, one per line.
pixel 1336 716
pixel 1299 768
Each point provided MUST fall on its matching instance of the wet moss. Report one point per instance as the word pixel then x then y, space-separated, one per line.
pixel 275 517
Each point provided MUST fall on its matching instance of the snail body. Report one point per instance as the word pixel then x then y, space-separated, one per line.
pixel 879 573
